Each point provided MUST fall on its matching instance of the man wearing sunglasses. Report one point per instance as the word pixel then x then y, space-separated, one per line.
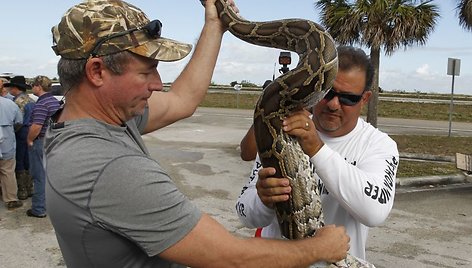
pixel 110 203
pixel 354 162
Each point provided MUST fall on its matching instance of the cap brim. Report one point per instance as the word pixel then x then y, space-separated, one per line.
pixel 163 49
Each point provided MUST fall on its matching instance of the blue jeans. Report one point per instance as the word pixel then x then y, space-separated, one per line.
pixel 22 159
pixel 39 177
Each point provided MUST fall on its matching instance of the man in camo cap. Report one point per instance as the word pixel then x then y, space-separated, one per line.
pixel 110 203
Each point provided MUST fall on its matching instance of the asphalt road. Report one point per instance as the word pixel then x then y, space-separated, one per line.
pixel 430 227
pixel 407 97
pixel 243 118
pixel 426 228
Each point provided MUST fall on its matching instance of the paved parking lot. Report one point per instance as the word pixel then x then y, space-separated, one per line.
pixel 428 227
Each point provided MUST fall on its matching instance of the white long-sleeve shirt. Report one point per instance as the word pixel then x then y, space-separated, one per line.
pixel 357 173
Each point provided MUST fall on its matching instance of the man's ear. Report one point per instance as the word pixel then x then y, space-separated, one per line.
pixel 366 97
pixel 94 69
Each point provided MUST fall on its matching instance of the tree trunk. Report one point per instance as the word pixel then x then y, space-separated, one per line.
pixel 374 99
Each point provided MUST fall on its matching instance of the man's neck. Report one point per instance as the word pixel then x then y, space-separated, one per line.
pixel 41 93
pixel 76 108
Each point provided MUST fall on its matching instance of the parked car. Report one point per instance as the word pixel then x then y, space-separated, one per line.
pixel 56 89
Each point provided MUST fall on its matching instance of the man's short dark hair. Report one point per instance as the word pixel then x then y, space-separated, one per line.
pixel 350 57
pixel 71 72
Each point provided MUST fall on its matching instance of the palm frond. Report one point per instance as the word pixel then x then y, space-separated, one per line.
pixel 464 11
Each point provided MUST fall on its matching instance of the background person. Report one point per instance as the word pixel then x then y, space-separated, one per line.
pixel 10 117
pixel 17 87
pixel 111 204
pixel 248 143
pixel 355 163
pixel 3 90
pixel 45 107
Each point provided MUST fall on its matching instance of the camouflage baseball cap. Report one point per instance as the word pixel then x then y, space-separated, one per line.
pixel 110 26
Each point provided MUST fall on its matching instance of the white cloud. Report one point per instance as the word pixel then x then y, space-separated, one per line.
pixel 423 80
pixel 237 61
pixel 243 61
pixel 423 70
pixel 425 73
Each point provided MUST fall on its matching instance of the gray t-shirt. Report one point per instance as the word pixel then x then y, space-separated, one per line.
pixel 110 203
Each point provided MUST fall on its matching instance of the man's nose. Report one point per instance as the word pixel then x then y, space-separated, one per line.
pixel 156 84
pixel 334 103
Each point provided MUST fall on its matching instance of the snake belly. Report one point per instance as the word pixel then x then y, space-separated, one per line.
pixel 302 87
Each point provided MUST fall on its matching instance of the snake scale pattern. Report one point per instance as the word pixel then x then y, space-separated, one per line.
pixel 303 86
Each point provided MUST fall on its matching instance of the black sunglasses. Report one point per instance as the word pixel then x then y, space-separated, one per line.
pixel 344 98
pixel 152 29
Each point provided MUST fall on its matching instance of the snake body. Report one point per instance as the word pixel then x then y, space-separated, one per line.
pixel 303 86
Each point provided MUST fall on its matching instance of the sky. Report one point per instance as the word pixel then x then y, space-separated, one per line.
pixel 25 47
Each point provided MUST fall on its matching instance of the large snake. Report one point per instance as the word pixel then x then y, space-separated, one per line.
pixel 302 87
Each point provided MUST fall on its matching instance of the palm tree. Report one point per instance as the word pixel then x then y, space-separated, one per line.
pixel 386 24
pixel 464 10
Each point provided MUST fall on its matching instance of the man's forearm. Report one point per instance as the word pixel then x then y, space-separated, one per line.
pixel 367 193
pixel 33 133
pixel 189 89
pixel 196 77
pixel 329 244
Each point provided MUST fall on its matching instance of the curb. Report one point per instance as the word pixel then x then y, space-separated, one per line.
pixel 427 157
pixel 434 180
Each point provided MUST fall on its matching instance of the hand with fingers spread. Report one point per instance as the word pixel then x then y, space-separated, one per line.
pixel 300 125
